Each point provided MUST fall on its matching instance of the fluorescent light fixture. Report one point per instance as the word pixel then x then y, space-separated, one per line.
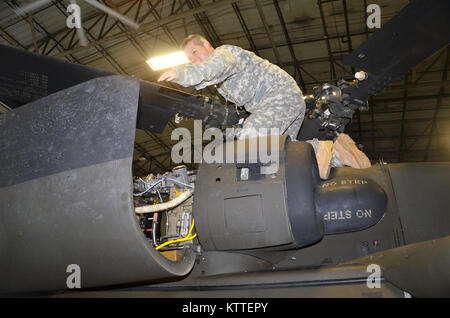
pixel 168 61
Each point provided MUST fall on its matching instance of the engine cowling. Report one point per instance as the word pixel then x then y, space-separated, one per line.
pixel 239 206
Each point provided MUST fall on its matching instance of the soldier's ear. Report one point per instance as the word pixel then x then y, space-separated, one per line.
pixel 208 46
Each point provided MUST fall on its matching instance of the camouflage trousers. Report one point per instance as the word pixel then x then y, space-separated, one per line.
pixel 282 108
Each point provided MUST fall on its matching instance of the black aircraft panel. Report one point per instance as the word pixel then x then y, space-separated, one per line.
pixel 420 29
pixel 26 77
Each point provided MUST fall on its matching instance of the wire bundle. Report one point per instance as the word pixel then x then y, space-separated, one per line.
pixel 186 238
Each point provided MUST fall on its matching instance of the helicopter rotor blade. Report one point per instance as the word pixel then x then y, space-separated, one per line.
pixel 39 3
pixel 30 7
pixel 113 14
pixel 416 32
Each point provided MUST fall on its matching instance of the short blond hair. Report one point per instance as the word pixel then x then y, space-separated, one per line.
pixel 196 38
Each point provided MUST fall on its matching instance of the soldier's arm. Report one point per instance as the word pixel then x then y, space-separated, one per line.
pixel 218 67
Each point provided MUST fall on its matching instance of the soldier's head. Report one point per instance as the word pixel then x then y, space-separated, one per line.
pixel 196 48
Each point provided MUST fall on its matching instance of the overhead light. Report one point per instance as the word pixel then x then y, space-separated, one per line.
pixel 168 61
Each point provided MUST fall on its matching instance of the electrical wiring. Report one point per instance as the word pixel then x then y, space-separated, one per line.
pixel 187 238
pixel 182 183
pixel 164 206
pixel 158 182
pixel 160 198
pixel 149 188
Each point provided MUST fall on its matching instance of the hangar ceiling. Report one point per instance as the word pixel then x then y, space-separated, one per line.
pixel 408 122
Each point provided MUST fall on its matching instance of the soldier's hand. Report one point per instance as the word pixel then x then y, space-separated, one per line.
pixel 168 76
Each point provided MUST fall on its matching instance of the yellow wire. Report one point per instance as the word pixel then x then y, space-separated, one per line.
pixel 186 238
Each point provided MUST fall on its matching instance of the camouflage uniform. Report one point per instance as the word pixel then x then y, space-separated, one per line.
pixel 266 91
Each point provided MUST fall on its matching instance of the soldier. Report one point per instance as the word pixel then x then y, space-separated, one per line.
pixel 269 93
pixel 266 91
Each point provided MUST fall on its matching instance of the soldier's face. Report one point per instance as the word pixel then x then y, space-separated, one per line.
pixel 198 53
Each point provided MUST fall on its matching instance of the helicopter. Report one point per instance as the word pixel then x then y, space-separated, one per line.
pixel 69 203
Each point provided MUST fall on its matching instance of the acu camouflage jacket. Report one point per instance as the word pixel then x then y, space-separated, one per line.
pixel 244 77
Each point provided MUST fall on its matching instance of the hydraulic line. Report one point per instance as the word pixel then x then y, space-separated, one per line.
pixel 166 205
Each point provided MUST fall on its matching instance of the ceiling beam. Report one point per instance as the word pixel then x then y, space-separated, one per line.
pixel 245 28
pixel 147 155
pixel 111 60
pixel 268 33
pixel 325 32
pixel 33 33
pixel 398 121
pixel 402 125
pixel 14 6
pixel 205 24
pixel 438 103
pixel 97 14
pixel 153 25
pixel 291 48
pixel 11 38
